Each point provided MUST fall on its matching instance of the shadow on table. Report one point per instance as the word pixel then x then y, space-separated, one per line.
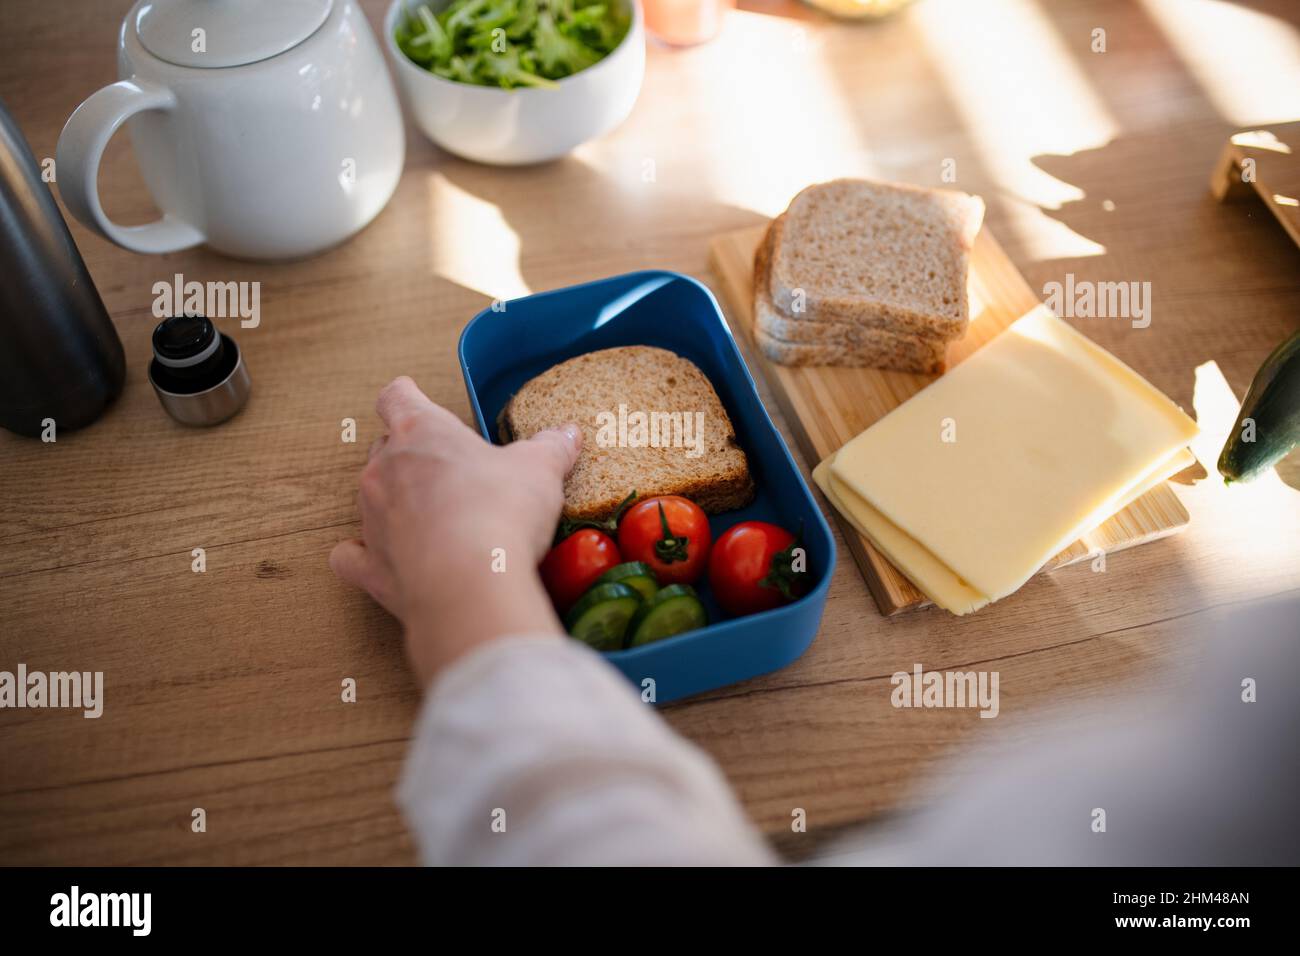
pixel 1214 258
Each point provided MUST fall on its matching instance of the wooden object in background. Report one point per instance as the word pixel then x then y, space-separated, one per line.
pixel 1273 176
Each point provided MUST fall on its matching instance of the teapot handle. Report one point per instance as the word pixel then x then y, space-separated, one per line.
pixel 81 147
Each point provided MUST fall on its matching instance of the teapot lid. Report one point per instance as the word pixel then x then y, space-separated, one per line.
pixel 217 33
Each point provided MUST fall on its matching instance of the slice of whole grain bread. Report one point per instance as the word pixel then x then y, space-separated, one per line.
pixel 927 360
pixel 806 325
pixel 789 341
pixel 884 255
pixel 678 457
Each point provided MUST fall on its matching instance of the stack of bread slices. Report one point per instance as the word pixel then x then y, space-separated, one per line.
pixel 866 274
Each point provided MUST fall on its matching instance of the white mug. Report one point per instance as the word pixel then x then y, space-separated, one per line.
pixel 267 130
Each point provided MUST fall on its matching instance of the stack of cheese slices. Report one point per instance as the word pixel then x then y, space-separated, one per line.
pixel 865 274
pixel 974 483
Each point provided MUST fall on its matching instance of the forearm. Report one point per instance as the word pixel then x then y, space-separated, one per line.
pixel 532 751
pixel 471 604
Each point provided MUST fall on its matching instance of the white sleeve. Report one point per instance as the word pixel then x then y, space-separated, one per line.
pixel 1196 775
pixel 534 751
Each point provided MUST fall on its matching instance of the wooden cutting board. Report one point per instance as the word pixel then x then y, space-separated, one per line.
pixel 826 406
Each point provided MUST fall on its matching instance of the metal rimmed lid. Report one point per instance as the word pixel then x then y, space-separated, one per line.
pixel 197 373
pixel 217 33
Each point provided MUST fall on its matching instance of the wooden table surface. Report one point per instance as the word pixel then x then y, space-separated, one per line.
pixel 223 688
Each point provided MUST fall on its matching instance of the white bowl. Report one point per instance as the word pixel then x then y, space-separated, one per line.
pixel 523 125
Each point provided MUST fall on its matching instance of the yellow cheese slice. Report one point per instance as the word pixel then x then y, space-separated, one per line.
pixel 1052 433
pixel 1179 460
pixel 930 576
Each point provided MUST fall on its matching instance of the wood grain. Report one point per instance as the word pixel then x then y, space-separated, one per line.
pixel 827 406
pixel 222 688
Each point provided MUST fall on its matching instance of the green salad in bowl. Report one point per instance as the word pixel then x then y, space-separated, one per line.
pixel 510 43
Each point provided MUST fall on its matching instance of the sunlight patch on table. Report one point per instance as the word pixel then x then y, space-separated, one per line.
pixel 770 131
pixel 1247 63
pixel 1015 107
pixel 471 243
pixel 1256 522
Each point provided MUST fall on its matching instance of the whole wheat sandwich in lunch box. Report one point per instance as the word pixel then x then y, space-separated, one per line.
pixel 866 274
pixel 651 423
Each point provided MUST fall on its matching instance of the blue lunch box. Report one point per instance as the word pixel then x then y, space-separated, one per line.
pixel 501 350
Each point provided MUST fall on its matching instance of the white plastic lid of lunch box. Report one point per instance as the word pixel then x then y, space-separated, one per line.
pixel 234 32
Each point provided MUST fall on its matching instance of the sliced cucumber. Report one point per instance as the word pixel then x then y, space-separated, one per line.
pixel 601 616
pixel 673 610
pixel 635 574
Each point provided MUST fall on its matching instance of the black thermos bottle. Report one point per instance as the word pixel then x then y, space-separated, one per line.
pixel 60 357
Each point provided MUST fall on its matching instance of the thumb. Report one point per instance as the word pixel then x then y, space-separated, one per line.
pixel 559 447
pixel 354 563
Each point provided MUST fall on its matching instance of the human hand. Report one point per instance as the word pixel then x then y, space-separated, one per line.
pixel 437 502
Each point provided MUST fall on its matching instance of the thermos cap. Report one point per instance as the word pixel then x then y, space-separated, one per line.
pixel 185 340
pixel 197 372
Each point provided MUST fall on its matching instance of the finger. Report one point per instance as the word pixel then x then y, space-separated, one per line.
pixel 350 561
pixel 558 447
pixel 401 398
pixel 376 446
pixel 353 562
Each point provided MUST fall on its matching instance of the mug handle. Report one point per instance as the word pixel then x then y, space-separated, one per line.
pixel 81 147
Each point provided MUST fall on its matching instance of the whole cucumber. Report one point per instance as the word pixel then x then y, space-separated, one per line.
pixel 1269 423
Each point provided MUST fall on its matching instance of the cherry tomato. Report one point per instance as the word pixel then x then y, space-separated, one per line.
pixel 750 568
pixel 572 566
pixel 670 534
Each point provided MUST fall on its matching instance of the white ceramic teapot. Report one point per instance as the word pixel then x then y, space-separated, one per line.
pixel 267 129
